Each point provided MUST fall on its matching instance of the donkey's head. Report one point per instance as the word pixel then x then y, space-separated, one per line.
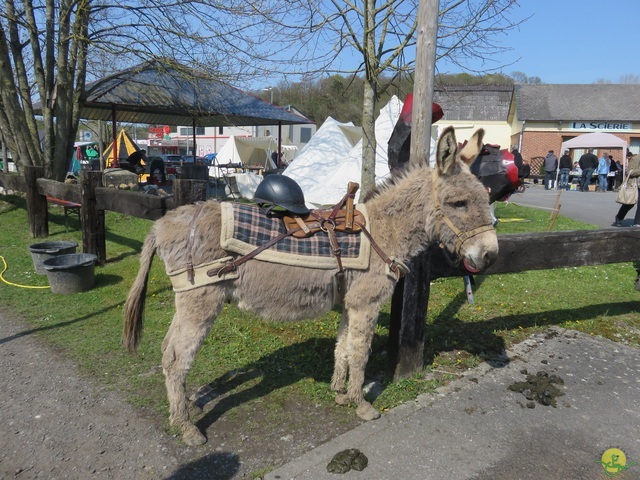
pixel 462 204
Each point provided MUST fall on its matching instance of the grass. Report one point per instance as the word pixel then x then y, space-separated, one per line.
pixel 252 361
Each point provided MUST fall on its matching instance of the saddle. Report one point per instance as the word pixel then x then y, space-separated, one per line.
pixel 343 217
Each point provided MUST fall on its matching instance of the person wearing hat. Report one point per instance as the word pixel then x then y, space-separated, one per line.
pixel 565 167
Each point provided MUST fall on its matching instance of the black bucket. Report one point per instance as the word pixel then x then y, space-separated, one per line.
pixel 44 251
pixel 72 273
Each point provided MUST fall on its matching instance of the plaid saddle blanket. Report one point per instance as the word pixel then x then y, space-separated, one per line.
pixel 246 227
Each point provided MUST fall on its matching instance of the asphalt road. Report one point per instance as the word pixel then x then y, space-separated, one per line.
pixel 597 208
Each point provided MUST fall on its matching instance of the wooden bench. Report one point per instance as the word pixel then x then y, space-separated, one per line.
pixel 68 207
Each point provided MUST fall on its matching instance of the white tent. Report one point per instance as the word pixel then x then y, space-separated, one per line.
pixel 596 140
pixel 324 169
pixel 249 152
pixel 330 144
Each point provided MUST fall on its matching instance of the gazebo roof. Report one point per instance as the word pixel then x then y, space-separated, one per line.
pixel 159 93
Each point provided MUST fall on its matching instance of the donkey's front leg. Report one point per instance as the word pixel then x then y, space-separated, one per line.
pixel 341 362
pixel 362 324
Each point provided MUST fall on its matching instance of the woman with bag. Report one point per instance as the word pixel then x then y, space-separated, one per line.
pixel 628 192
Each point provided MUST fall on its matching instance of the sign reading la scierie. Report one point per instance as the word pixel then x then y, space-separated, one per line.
pixel 600 126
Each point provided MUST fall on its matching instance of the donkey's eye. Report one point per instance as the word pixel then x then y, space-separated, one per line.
pixel 459 203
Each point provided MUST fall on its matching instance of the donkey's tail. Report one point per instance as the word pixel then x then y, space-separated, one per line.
pixel 134 306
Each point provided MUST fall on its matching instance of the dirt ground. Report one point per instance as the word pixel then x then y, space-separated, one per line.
pixel 55 424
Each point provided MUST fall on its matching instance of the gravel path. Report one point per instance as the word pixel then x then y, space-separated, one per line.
pixel 55 425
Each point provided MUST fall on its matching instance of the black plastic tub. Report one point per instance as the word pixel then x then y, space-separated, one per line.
pixel 72 273
pixel 46 250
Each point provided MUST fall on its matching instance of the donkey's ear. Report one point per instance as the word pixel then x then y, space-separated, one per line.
pixel 446 152
pixel 471 150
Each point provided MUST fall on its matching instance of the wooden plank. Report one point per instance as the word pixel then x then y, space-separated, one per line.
pixel 547 250
pixel 70 192
pixel 13 181
pixel 135 204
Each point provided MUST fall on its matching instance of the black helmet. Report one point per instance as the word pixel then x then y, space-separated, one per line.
pixel 281 191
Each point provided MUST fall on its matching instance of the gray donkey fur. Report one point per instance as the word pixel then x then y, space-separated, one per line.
pixel 403 220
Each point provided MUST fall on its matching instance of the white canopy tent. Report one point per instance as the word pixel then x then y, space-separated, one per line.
pixel 248 152
pixel 324 169
pixel 596 140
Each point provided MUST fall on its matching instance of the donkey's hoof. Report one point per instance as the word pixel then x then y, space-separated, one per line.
pixel 342 399
pixel 366 412
pixel 193 437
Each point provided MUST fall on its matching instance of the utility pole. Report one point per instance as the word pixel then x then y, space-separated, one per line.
pixel 411 296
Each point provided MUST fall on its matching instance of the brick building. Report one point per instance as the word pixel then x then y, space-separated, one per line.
pixel 538 118
pixel 547 115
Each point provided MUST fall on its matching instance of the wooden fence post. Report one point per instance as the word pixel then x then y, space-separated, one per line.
pixel 409 315
pixel 37 209
pixel 93 224
pixel 186 191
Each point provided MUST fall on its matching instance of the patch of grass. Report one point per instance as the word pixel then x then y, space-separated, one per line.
pixel 247 360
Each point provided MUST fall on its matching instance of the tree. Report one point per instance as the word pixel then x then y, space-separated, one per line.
pixel 50 48
pixel 381 36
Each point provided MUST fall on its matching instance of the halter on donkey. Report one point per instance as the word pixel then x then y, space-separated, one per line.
pixel 417 208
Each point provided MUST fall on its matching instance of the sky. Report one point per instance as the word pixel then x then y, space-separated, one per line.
pixel 574 41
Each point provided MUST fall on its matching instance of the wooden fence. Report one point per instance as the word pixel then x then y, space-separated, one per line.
pixel 517 253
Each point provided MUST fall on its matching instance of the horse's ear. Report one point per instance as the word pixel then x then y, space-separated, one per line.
pixel 446 152
pixel 471 150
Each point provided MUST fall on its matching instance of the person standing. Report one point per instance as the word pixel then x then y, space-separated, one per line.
pixel 603 171
pixel 611 178
pixel 518 161
pixel 550 168
pixel 588 163
pixel 565 167
pixel 633 170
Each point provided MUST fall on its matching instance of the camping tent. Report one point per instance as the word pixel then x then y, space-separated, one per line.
pixel 596 140
pixel 324 169
pixel 126 146
pixel 251 151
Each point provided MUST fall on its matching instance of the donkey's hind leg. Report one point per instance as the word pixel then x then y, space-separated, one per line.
pixel 341 362
pixel 195 313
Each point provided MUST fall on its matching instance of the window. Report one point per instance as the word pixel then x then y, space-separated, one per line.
pixel 188 131
pixel 305 134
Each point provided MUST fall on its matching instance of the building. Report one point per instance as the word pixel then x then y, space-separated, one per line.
pixel 470 107
pixel 539 118
pixel 548 115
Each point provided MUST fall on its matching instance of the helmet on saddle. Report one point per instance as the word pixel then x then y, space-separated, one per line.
pixel 280 191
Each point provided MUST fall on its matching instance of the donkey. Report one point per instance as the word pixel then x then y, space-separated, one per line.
pixel 421 206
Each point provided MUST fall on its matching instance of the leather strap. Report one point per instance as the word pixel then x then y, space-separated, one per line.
pixel 398 270
pixel 190 240
pixel 234 264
